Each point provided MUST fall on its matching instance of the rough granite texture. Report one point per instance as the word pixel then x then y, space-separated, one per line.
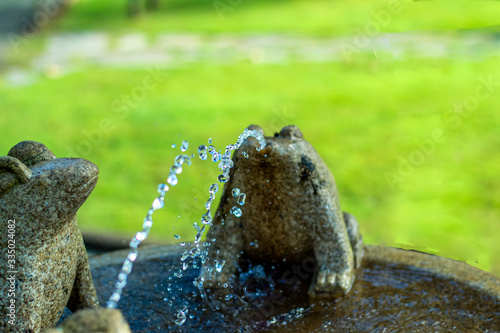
pixel 292 212
pixel 42 194
pixel 93 321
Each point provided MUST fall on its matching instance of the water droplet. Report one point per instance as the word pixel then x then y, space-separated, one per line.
pixel 127 266
pixel 158 203
pixel 177 237
pixel 185 265
pixel 176 168
pixel 122 277
pixel 245 154
pixel 236 192
pixel 198 282
pixel 162 188
pixel 182 243
pixel 223 178
pixel 179 160
pixel 115 298
pixel 210 140
pixel 199 234
pixel 132 255
pixel 241 199
pixel 215 157
pixel 184 145
pixel 194 252
pixel 219 265
pixel 236 211
pixel 147 224
pixel 172 179
pixel 226 163
pixel 214 188
pixel 134 243
pixel 206 218
pixel 202 152
pixel 181 316
pixel 187 159
pixel 140 236
pixel 173 145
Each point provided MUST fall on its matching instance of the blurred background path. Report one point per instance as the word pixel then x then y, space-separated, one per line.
pixel 69 52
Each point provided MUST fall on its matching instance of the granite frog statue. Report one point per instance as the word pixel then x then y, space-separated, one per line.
pixel 48 268
pixel 292 212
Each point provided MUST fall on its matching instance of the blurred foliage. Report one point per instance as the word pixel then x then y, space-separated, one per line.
pixel 365 118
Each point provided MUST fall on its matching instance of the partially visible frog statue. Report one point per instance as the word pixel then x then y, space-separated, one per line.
pixel 292 212
pixel 44 265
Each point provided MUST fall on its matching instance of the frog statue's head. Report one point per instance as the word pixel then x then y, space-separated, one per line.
pixel 43 186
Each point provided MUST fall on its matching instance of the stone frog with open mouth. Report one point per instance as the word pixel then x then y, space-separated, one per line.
pixel 292 212
pixel 41 194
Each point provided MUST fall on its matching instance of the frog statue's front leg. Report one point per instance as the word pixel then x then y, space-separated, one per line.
pixel 338 249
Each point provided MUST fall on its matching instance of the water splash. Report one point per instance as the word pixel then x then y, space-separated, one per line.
pixel 225 164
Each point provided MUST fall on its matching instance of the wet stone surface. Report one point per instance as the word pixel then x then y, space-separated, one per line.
pixel 384 298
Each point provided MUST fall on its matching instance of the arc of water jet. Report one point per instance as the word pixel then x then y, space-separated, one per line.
pixel 140 236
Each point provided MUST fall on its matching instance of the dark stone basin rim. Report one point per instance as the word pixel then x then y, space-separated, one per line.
pixel 443 267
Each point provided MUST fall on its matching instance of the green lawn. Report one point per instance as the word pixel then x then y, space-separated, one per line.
pixel 415 173
pixel 362 118
pixel 318 17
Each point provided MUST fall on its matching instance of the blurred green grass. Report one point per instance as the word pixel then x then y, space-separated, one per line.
pixel 363 117
pixel 318 17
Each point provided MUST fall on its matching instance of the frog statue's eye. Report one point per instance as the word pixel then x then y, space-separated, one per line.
pixel 291 132
pixel 12 171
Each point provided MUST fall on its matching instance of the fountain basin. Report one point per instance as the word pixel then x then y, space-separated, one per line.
pixel 395 290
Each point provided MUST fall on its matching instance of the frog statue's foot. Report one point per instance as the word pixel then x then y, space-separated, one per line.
pixel 327 283
pixel 329 279
pixel 292 212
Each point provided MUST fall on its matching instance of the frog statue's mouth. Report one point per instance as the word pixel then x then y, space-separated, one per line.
pixel 84 174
